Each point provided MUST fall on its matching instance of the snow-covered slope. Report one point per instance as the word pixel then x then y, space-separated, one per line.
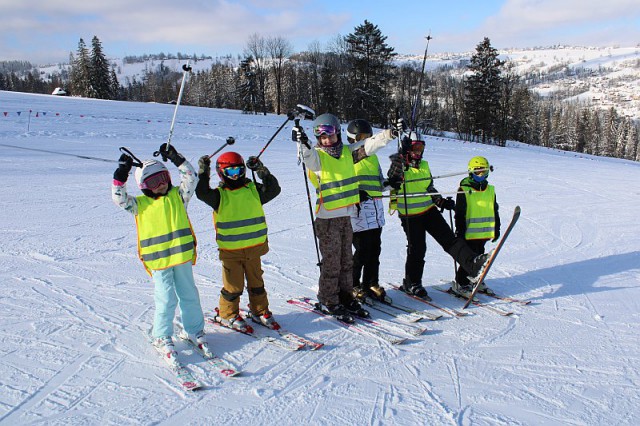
pixel 75 298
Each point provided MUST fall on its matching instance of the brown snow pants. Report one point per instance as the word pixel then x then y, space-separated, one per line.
pixel 236 266
pixel 336 272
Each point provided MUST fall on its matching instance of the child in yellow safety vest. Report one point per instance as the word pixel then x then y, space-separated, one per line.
pixel 241 234
pixel 166 242
pixel 331 169
pixel 477 218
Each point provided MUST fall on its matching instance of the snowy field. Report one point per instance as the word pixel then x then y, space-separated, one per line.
pixel 75 299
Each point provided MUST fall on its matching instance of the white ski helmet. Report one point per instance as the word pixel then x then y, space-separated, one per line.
pixel 149 168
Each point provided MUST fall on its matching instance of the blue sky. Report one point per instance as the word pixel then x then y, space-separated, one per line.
pixel 46 31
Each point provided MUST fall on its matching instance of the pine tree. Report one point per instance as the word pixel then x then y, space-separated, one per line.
pixel 483 87
pixel 80 71
pixel 370 58
pixel 100 76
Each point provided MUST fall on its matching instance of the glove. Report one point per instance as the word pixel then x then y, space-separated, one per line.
pixel 398 126
pixel 396 170
pixel 445 203
pixel 254 163
pixel 122 172
pixel 406 145
pixel 204 166
pixel 497 237
pixel 170 153
pixel 298 135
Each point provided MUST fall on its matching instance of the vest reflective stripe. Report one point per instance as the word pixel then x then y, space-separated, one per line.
pixel 368 172
pixel 417 181
pixel 239 220
pixel 481 220
pixel 337 186
pixel 165 236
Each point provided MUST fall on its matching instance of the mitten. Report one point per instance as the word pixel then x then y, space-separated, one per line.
pixel 168 152
pixel 122 172
pixel 204 166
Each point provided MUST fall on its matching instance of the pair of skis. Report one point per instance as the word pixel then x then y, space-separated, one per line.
pixel 281 338
pixel 379 329
pixel 185 378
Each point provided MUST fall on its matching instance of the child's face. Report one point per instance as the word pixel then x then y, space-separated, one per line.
pixel 161 190
pixel 328 140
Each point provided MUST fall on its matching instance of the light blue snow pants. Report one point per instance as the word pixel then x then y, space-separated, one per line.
pixel 176 286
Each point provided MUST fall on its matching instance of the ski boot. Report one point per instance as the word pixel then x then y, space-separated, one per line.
pixel 415 289
pixel 375 291
pixel 462 290
pixel 479 263
pixel 359 293
pixel 236 323
pixel 338 311
pixel 486 290
pixel 199 339
pixel 355 308
pixel 266 319
pixel 165 346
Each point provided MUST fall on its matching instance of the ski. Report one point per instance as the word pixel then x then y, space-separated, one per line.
pixel 408 315
pixel 307 304
pixel 311 344
pixel 281 343
pixel 222 366
pixel 476 302
pixel 387 325
pixel 523 302
pixel 506 298
pixel 448 311
pixel 183 375
pixel 494 254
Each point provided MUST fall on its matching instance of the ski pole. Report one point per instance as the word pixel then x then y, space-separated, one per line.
pixel 230 141
pixel 300 111
pixel 415 106
pixel 84 157
pixel 455 264
pixel 186 69
pixel 421 194
pixel 306 186
pixel 461 173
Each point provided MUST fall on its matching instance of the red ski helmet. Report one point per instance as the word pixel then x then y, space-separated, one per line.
pixel 230 166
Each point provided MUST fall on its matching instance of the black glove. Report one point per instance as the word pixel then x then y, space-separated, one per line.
pixel 406 145
pixel 445 203
pixel 170 153
pixel 396 170
pixel 298 135
pixel 204 166
pixel 497 237
pixel 395 182
pixel 254 163
pixel 122 172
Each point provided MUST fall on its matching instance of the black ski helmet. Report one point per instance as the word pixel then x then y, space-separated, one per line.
pixel 357 127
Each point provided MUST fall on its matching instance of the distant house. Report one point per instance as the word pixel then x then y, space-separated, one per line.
pixel 58 91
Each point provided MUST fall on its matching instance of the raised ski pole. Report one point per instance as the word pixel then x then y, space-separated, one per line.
pixel 299 111
pixel 415 105
pixel 306 186
pixel 230 141
pixel 186 69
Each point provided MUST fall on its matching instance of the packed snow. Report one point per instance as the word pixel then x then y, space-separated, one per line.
pixel 76 300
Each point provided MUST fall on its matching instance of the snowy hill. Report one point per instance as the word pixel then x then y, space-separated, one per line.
pixel 604 76
pixel 75 298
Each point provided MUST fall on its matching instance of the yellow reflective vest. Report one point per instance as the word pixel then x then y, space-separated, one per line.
pixel 336 184
pixel 480 214
pixel 368 172
pixel 165 235
pixel 416 181
pixel 239 221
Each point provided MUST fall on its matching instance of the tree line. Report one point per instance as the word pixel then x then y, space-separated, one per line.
pixel 357 76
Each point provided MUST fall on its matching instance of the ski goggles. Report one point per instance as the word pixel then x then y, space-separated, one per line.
pixel 480 171
pixel 324 129
pixel 155 181
pixel 233 172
